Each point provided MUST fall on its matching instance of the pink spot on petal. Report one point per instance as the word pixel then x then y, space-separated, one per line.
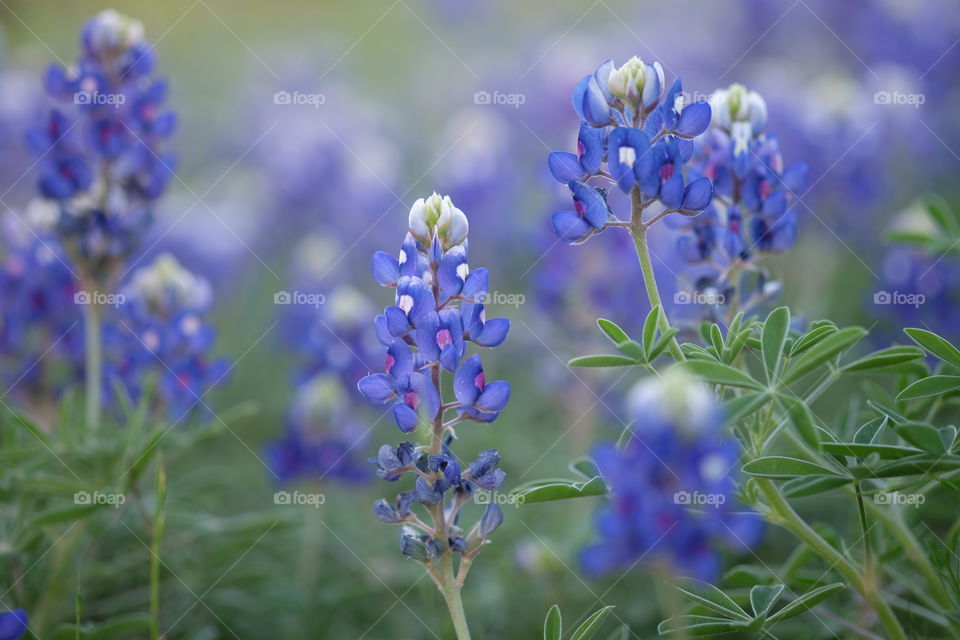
pixel 390 362
pixel 480 381
pixel 411 400
pixel 443 338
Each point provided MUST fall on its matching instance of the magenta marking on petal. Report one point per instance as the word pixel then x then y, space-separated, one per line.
pixel 480 381
pixel 443 338
pixel 390 362
pixel 666 171
pixel 581 148
pixel 580 207
pixel 765 189
pixel 411 400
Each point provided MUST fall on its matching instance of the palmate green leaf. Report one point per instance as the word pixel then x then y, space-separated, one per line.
pixel 695 352
pixel 590 626
pixel 551 490
pixel 935 345
pixel 776 328
pixel 700 625
pixel 931 386
pixel 812 485
pixel 603 361
pixel 806 601
pixel 825 350
pixel 870 432
pixel 612 330
pixel 763 597
pixel 802 420
pixel 553 624
pixel 884 358
pixel 718 373
pixel 709 596
pixel 742 406
pixel 784 467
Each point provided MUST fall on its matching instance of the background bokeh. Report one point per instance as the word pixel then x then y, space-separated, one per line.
pixel 463 98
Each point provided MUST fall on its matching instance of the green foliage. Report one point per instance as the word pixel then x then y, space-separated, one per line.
pixel 553 625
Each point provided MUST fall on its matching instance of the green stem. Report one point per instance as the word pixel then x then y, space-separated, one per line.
pixel 157 530
pixel 789 519
pixel 451 593
pixel 639 233
pixel 94 360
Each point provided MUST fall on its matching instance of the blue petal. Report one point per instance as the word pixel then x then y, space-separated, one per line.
pixel 427 337
pixel 594 206
pixel 570 226
pixel 397 323
pixel 377 387
pixel 464 381
pixel 565 166
pixel 405 417
pixel 494 333
pixel 494 397
pixel 381 330
pixel 13 624
pixel 795 177
pixel 671 193
pixel 697 195
pixel 386 269
pixel 428 395
pixel 694 120
pixel 602 75
pixel 477 282
pixel 491 519
pixel 775 204
pixel 589 148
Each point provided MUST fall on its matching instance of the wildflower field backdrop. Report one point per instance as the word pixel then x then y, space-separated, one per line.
pixel 450 319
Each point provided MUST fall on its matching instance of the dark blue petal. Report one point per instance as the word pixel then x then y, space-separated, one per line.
pixel 795 177
pixel 491 519
pixel 397 323
pixel 590 204
pixel 671 193
pixel 697 195
pixel 13 624
pixel 775 204
pixel 589 148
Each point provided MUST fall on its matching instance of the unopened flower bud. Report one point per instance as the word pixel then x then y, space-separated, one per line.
pixel 437 215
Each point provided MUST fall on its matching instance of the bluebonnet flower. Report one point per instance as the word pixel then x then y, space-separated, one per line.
pixel 321 437
pixel 41 344
pixel 751 211
pixel 162 330
pixel 644 137
pixel 438 310
pixel 100 151
pixel 13 624
pixel 672 497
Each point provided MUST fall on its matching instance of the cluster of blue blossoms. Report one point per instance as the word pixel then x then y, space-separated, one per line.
pixel 100 157
pixel 37 316
pixel 753 191
pixel 438 309
pixel 673 495
pixel 643 136
pixel 162 331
